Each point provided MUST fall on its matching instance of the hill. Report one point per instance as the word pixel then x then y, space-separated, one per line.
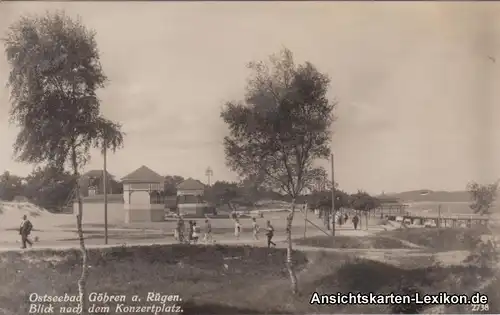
pixel 425 195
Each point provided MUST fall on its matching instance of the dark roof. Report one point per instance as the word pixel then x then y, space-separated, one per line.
pixel 112 198
pixel 387 199
pixel 96 174
pixel 191 184
pixel 144 175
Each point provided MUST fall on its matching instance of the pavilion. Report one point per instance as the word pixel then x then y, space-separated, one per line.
pixel 143 196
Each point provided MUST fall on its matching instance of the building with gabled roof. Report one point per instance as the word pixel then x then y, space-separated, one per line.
pixel 190 198
pixel 143 175
pixel 191 184
pixel 143 196
pixel 91 183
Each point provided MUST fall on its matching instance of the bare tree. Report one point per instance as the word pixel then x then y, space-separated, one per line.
pixel 280 129
pixel 483 196
pixel 54 75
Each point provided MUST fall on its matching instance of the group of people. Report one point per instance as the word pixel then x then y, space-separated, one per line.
pixel 256 230
pixel 341 219
pixel 194 231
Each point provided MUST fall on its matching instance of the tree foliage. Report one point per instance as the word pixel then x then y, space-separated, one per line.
pixel 54 75
pixel 10 186
pixel 223 193
pixel 280 129
pixel 170 184
pixel 323 200
pixel 55 72
pixel 483 196
pixel 49 187
pixel 282 126
pixel 363 201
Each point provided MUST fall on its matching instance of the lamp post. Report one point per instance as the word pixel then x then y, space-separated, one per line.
pixel 105 186
pixel 333 196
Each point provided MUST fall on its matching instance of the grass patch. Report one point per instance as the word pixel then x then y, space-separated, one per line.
pixel 199 274
pixel 364 276
pixel 363 242
pixel 440 239
pixel 222 279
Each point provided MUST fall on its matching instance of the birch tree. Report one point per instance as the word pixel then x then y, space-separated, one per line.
pixel 54 75
pixel 280 128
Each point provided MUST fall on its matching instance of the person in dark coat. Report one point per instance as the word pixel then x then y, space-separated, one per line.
pixel 25 231
pixel 270 234
pixel 355 221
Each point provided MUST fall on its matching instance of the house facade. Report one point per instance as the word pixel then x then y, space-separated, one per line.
pixel 92 183
pixel 143 196
pixel 190 198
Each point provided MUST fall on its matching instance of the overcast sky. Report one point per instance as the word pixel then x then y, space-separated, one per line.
pixel 417 95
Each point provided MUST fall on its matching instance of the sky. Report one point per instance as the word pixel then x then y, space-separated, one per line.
pixel 415 84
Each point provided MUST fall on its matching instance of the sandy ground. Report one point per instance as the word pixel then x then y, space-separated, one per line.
pixel 51 229
pixel 59 231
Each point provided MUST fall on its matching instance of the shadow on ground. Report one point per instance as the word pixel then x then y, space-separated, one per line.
pixel 357 242
pixel 224 279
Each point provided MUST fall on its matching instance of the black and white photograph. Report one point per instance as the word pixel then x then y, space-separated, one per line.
pixel 267 157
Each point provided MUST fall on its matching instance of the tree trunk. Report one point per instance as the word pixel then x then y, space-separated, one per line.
pixel 83 278
pixel 289 249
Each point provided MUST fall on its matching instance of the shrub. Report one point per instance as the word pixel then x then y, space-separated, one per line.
pixel 407 288
pixel 484 255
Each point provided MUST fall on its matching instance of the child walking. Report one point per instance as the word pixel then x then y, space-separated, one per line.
pixel 237 229
pixel 208 231
pixel 196 233
pixel 255 229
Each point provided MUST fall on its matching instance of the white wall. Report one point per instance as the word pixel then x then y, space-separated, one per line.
pixel 139 198
pixel 93 213
pixel 126 197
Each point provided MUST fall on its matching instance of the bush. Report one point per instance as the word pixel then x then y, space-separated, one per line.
pixel 484 255
pixel 407 288
pixel 440 238
pixel 341 241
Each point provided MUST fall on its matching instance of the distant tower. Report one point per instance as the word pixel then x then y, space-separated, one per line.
pixel 209 173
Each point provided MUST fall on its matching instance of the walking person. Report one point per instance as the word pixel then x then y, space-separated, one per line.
pixel 237 229
pixel 25 231
pixel 180 230
pixel 196 233
pixel 255 229
pixel 270 234
pixel 190 232
pixel 208 232
pixel 355 221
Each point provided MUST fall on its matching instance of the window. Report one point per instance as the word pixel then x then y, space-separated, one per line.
pixel 156 198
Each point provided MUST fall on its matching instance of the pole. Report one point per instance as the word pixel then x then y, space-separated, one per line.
pixel 333 197
pixel 105 182
pixel 439 217
pixel 305 220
